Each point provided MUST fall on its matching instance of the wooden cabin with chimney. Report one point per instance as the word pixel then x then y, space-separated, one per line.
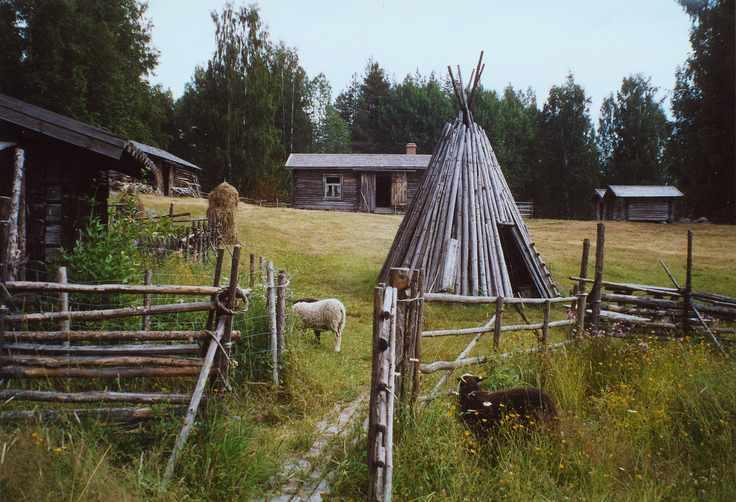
pixel 374 183
pixel 54 174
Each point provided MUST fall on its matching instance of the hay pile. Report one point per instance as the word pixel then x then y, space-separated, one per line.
pixel 221 209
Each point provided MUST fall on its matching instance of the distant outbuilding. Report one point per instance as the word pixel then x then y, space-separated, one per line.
pixel 656 203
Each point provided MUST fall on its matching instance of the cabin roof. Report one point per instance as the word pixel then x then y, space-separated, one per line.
pixel 96 139
pixel 628 191
pixel 599 192
pixel 358 161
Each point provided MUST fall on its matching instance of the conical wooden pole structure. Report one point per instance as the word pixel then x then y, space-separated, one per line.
pixel 463 227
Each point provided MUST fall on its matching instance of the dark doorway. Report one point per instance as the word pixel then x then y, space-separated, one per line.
pixel 521 281
pixel 383 190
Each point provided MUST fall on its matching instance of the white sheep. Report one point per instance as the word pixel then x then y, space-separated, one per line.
pixel 322 314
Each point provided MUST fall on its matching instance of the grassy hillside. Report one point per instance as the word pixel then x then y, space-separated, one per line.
pixel 330 254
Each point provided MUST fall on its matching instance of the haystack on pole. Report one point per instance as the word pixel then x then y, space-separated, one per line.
pixel 221 213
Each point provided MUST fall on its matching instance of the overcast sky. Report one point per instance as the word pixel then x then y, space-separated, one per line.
pixel 528 44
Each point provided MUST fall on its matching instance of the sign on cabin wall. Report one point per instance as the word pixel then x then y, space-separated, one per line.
pixel 399 197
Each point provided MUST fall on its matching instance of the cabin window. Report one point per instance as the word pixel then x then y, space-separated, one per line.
pixel 333 187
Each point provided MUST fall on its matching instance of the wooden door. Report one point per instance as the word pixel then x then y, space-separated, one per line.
pixel 399 197
pixel 367 201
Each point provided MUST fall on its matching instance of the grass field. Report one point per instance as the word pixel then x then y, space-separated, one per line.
pixel 678 442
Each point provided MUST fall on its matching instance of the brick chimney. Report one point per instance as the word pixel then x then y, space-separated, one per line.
pixel 411 148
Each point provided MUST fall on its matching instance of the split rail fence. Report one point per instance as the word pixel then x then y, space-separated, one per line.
pixel 398 366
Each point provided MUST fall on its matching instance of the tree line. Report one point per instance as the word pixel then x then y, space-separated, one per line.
pixel 253 103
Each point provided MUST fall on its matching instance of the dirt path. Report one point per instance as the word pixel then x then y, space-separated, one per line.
pixel 301 479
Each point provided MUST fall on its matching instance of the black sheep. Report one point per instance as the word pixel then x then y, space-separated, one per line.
pixel 482 410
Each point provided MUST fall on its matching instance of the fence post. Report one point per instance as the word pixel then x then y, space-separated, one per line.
pixel 584 266
pixel 281 315
pixel 171 210
pixel 231 300
pixel 64 325
pixel 271 302
pixel 545 323
pixel 497 323
pixel 597 285
pixel 252 278
pixel 418 293
pixel 147 280
pixel 211 317
pixel 261 269
pixel 581 313
pixel 687 292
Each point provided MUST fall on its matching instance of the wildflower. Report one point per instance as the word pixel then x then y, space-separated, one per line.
pixel 562 466
pixel 56 450
pixel 466 433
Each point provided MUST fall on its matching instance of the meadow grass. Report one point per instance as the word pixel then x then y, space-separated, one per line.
pixel 635 424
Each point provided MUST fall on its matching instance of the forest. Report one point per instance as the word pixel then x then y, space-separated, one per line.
pixel 252 104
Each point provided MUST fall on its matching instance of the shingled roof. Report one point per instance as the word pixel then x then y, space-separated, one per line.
pixel 628 191
pixel 358 161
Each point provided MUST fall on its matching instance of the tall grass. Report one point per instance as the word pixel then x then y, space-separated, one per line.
pixel 649 421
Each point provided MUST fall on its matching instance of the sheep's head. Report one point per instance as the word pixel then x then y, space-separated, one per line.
pixel 469 383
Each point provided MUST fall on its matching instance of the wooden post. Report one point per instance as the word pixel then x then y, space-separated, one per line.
pixel 497 323
pixel 281 315
pixel 148 280
pixel 545 323
pixel 216 283
pixel 203 375
pixel 13 248
pixel 171 210
pixel 231 300
pixel 271 302
pixel 581 313
pixel 65 324
pixel 252 278
pixel 418 328
pixel 597 285
pixel 688 291
pixel 583 266
pixel 390 395
pixel 400 279
pixel 373 429
pixel 261 269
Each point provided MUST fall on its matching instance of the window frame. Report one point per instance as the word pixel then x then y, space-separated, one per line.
pixel 325 184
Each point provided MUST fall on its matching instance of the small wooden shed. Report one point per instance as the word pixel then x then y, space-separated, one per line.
pixel 372 183
pixel 54 175
pixel 656 203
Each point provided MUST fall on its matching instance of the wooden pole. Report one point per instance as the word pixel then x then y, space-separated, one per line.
pixel 498 323
pixel 100 315
pixel 281 314
pixel 581 314
pixel 584 266
pixel 252 277
pixel 107 336
pixel 202 380
pixel 13 252
pixel 148 280
pixel 64 325
pixel 212 315
pixel 597 285
pixel 92 396
pixel 271 302
pixel 688 291
pixel 224 354
pixel 545 323
pixel 419 320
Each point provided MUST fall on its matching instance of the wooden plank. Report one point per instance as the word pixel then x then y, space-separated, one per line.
pixel 111 288
pixel 92 397
pixel 123 372
pixel 102 350
pixel 99 315
pixel 89 336
pixel 96 361
pixel 108 414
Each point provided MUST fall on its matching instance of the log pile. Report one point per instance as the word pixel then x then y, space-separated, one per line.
pixel 463 227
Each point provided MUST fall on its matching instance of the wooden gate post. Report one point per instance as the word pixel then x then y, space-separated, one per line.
pixel 581 314
pixel 595 303
pixel 583 266
pixel 281 315
pixel 687 292
pixel 271 303
pixel 64 324
pixel 498 323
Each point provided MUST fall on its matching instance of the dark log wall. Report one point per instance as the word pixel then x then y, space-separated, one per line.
pixel 65 186
pixel 309 190
pixel 640 209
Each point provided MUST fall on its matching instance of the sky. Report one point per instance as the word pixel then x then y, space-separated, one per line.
pixel 527 44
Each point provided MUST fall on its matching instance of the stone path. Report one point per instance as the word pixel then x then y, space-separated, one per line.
pixel 304 481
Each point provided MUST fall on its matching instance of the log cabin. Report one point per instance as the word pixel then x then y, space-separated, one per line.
pixel 374 183
pixel 54 173
pixel 657 203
